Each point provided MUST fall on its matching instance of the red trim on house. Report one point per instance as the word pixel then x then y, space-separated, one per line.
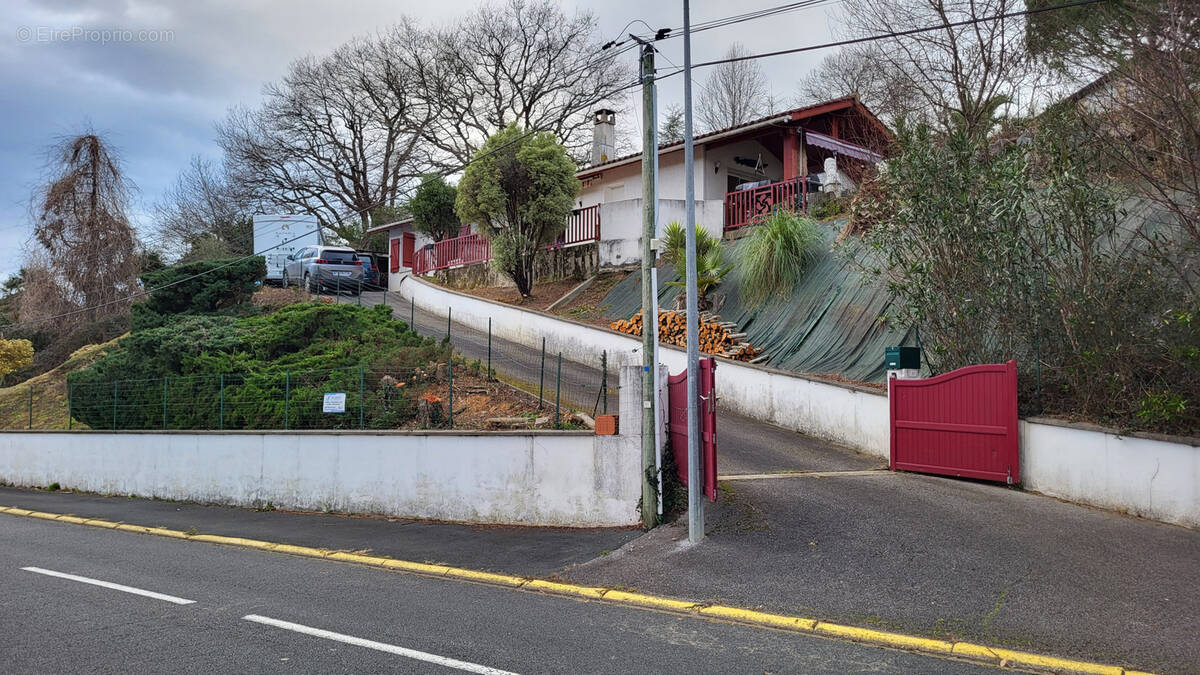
pixel 797 115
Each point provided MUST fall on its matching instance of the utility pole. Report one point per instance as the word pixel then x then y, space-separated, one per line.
pixel 695 489
pixel 649 302
pixel 658 426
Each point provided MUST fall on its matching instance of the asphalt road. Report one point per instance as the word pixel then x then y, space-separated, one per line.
pixel 225 609
pixel 918 554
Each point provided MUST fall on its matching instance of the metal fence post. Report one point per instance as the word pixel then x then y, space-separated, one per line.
pixel 221 421
pixel 489 353
pixel 450 388
pixel 362 380
pixel 542 375
pixel 604 379
pixel 358 296
pixel 557 389
pixel 31 406
pixel 69 420
pixel 448 310
pixel 412 315
pixel 114 426
pixel 164 423
pixel 287 397
pixel 337 299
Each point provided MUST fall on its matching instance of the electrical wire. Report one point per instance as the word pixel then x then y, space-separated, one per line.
pixel 903 33
pixel 750 16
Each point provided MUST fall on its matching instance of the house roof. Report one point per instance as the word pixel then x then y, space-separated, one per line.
pixel 794 115
pixel 387 226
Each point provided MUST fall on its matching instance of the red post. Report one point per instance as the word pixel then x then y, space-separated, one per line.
pixel 791 154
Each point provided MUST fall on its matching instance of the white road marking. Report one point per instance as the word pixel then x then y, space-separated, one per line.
pixel 109 584
pixel 379 646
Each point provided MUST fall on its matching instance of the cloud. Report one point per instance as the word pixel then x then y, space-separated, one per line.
pixel 156 98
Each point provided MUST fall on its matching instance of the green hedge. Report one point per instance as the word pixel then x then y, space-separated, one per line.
pixel 258 372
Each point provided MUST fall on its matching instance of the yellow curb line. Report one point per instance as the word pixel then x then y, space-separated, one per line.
pixel 988 655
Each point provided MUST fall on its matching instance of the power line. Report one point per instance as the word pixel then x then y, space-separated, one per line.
pixel 903 33
pixel 750 16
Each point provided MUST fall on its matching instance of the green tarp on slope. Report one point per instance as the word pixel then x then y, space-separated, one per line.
pixel 832 323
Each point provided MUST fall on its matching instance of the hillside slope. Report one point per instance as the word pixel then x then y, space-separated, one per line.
pixel 49 393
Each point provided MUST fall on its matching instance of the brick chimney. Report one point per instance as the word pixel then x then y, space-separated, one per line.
pixel 604 135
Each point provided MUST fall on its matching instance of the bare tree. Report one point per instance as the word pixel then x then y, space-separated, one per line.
pixel 88 252
pixel 336 137
pixel 856 71
pixel 734 92
pixel 523 62
pixel 960 77
pixel 203 214
pixel 1143 109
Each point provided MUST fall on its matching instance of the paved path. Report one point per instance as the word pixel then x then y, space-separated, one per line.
pixel 933 556
pixel 80 599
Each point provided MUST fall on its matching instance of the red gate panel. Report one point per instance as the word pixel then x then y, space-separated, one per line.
pixel 678 419
pixel 961 423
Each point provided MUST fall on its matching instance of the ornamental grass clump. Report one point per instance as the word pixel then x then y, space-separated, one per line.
pixel 772 260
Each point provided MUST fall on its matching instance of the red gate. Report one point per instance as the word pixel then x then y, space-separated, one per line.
pixel 678 418
pixel 961 423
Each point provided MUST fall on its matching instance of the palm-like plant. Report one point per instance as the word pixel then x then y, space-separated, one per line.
pixel 710 261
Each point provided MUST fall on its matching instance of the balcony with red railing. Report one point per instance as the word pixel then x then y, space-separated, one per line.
pixel 747 207
pixel 583 226
pixel 447 253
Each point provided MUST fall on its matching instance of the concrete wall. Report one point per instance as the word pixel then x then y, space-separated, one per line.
pixel 531 478
pixel 1151 477
pixel 621 226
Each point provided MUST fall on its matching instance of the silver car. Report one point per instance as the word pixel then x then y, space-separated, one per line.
pixel 324 267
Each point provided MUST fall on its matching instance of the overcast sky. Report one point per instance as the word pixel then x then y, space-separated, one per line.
pixel 155 97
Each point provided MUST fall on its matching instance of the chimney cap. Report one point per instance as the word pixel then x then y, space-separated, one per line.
pixel 603 115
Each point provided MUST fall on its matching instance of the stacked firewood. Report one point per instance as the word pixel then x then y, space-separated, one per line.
pixel 716 336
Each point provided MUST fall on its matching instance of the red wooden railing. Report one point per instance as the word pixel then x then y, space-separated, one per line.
pixel 746 207
pixel 583 225
pixel 473 248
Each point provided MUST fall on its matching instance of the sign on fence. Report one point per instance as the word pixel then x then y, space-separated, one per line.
pixel 335 403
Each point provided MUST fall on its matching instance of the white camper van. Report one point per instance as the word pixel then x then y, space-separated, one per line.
pixel 278 236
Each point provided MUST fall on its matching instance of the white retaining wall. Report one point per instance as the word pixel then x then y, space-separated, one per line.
pixel 1154 478
pixel 531 478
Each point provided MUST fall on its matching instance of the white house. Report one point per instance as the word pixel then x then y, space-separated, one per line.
pixel 741 174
